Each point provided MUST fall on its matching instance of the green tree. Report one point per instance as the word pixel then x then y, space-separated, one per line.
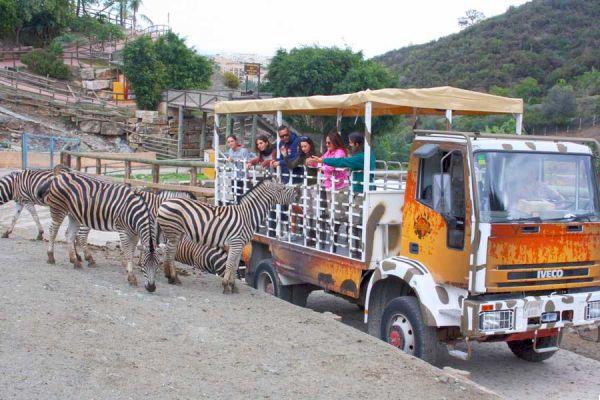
pixel 10 16
pixel 559 106
pixel 588 84
pixel 231 80
pixel 185 68
pixel 470 18
pixel 144 71
pixel 529 90
pixel 316 70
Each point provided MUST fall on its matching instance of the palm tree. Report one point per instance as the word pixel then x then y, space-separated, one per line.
pixel 134 5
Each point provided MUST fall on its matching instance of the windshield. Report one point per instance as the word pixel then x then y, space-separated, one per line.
pixel 535 186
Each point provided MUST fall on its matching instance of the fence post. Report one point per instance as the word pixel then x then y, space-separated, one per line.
pixel 155 174
pixel 127 173
pixel 98 166
pixel 193 176
pixel 78 163
pixel 51 153
pixel 180 133
pixel 24 145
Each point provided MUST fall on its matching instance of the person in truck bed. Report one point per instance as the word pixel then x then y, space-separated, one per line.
pixel 355 163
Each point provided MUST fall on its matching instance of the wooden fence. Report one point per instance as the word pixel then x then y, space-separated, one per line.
pixel 73 159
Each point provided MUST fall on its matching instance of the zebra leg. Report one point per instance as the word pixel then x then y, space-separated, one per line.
pixel 82 240
pixel 57 219
pixel 233 260
pixel 169 266
pixel 128 243
pixel 72 232
pixel 18 209
pixel 36 219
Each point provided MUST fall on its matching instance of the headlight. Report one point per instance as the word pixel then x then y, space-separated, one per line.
pixel 592 310
pixel 496 320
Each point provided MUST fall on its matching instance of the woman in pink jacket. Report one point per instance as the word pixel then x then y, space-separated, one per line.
pixel 335 183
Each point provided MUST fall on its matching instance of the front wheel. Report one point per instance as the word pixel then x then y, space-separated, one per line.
pixel 524 348
pixel 264 278
pixel 403 327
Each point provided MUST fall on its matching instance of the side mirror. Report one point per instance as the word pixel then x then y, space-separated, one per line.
pixel 427 151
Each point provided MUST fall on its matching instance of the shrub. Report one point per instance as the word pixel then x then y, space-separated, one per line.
pixel 231 80
pixel 47 63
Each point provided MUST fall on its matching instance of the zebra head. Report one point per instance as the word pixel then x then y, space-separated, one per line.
pixel 150 264
pixel 6 188
pixel 284 194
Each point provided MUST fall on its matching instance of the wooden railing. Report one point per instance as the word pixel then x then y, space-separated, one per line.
pixel 73 159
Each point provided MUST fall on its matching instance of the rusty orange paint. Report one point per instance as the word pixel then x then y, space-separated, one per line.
pixel 427 228
pixel 548 248
pixel 331 272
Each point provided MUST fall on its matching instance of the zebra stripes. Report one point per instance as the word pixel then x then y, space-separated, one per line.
pixel 219 226
pixel 106 207
pixel 209 259
pixel 21 187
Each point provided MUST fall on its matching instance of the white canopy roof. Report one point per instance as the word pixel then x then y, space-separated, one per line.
pixel 384 102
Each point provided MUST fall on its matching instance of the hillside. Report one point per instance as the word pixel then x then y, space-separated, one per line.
pixel 544 39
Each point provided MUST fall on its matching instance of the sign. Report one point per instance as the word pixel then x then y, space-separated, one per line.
pixel 252 69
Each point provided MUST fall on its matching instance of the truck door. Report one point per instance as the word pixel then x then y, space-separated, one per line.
pixel 436 213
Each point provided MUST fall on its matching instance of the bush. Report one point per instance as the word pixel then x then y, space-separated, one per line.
pixel 231 80
pixel 47 63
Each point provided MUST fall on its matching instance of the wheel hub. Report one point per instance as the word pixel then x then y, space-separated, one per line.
pixel 266 284
pixel 401 334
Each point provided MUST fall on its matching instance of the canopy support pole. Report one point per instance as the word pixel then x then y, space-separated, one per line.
pixel 519 124
pixel 366 175
pixel 338 121
pixel 279 119
pixel 449 120
pixel 216 154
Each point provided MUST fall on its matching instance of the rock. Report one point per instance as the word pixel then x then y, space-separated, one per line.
pixel 146 116
pixel 96 84
pixel 90 126
pixel 111 129
pixel 87 74
pixel 457 372
pixel 104 73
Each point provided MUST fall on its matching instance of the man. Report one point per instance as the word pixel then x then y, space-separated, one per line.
pixel 530 193
pixel 288 145
pixel 355 163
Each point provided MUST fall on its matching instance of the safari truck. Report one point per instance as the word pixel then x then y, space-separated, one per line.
pixel 482 237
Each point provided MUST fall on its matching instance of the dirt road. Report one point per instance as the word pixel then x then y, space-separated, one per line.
pixel 567 375
pixel 85 334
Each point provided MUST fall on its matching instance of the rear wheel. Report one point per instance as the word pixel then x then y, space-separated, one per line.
pixel 524 348
pixel 265 281
pixel 403 327
pixel 264 278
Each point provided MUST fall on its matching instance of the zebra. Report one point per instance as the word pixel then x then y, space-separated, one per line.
pixel 219 226
pixel 205 258
pixel 21 186
pixel 103 206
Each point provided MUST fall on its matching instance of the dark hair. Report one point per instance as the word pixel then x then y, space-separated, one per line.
pixel 336 140
pixel 359 139
pixel 282 128
pixel 308 140
pixel 231 136
pixel 262 138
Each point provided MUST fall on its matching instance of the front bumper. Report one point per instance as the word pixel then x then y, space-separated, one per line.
pixel 525 314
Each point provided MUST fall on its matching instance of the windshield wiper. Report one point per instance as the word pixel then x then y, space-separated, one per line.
pixel 526 219
pixel 569 217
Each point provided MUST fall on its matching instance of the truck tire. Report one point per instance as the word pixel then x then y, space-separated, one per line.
pixel 402 326
pixel 524 349
pixel 264 278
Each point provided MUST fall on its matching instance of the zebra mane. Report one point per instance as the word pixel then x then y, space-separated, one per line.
pixel 260 183
pixel 150 219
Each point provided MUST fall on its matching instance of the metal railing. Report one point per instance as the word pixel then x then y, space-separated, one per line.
pixel 45 144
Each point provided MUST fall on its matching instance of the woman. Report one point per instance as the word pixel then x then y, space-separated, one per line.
pixel 265 151
pixel 238 156
pixel 306 150
pixel 355 163
pixel 334 183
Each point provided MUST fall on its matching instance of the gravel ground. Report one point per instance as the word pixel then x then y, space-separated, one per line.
pixel 84 334
pixel 567 375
